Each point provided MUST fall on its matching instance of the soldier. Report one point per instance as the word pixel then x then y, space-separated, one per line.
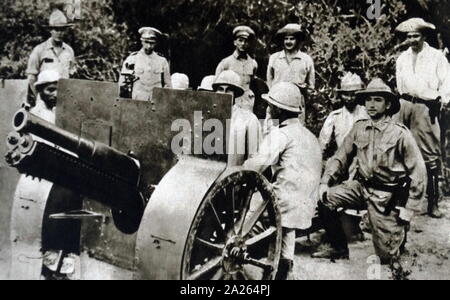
pixel 291 64
pixel 390 181
pixel 423 80
pixel 144 70
pixel 47 91
pixel 241 62
pixel 341 121
pixel 245 129
pixel 53 54
pixel 293 153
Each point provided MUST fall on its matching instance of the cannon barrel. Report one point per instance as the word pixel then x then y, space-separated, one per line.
pixel 98 154
pixel 95 170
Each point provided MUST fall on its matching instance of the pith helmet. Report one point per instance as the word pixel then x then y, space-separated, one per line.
pixel 414 24
pixel 243 31
pixel 207 83
pixel 180 81
pixel 351 83
pixel 58 20
pixel 231 79
pixel 378 88
pixel 46 77
pixel 285 95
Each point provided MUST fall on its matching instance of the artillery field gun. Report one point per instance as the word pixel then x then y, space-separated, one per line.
pixel 104 187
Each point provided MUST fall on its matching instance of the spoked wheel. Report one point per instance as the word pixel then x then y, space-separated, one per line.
pixel 236 233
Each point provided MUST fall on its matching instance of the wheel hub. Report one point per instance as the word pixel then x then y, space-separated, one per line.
pixel 234 255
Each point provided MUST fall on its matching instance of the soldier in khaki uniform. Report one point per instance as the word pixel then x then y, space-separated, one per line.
pixel 390 181
pixel 53 54
pixel 423 80
pixel 293 153
pixel 241 63
pixel 144 70
pixel 245 129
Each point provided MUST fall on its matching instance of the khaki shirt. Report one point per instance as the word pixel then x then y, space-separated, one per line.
pixel 151 71
pixel 386 151
pixel 45 57
pixel 299 71
pixel 428 79
pixel 293 153
pixel 340 121
pixel 245 67
pixel 245 136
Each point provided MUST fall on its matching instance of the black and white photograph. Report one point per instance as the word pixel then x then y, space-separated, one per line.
pixel 235 141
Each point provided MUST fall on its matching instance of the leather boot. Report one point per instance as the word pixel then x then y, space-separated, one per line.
pixel 433 192
pixel 284 268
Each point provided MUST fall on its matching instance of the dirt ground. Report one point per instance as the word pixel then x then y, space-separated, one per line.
pixel 427 258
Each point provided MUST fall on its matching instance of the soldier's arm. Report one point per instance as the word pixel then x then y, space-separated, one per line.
pixel 399 78
pixel 220 68
pixel 269 152
pixel 443 73
pixel 253 135
pixel 33 68
pixel 311 80
pixel 72 64
pixel 416 168
pixel 326 132
pixel 338 165
pixel 270 72
pixel 166 74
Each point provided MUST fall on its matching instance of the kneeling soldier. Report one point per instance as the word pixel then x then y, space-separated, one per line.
pixel 390 181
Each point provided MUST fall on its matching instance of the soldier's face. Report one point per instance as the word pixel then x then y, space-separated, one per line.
pixel 49 95
pixel 241 44
pixel 415 40
pixel 349 100
pixel 225 89
pixel 149 46
pixel 57 34
pixel 377 107
pixel 290 43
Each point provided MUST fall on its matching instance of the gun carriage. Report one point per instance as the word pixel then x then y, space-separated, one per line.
pixel 104 184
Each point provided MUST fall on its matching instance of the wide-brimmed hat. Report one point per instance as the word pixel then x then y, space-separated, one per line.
pixel 58 20
pixel 377 87
pixel 46 77
pixel 149 34
pixel 414 24
pixel 231 79
pixel 351 83
pixel 243 31
pixel 290 29
pixel 285 95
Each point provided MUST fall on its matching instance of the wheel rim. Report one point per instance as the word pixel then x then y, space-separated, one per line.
pixel 236 233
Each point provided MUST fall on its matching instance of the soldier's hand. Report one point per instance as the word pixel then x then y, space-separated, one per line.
pixel 405 215
pixel 323 191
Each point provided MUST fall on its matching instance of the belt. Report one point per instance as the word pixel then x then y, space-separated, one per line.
pixel 381 186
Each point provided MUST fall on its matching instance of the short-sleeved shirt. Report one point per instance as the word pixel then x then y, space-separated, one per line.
pixel 299 71
pixel 246 67
pixel 150 70
pixel 428 79
pixel 46 57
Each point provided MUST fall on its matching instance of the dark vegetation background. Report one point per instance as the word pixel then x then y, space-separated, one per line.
pixel 340 36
